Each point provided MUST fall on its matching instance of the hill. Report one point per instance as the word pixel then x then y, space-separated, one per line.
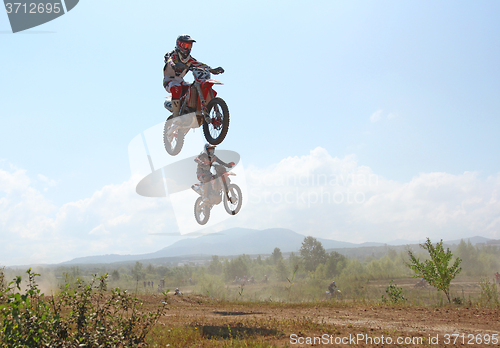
pixel 238 241
pixel 235 241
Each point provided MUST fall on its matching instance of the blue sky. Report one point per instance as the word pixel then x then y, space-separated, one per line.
pixel 406 90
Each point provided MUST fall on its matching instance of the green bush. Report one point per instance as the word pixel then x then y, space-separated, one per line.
pixel 394 294
pixel 489 294
pixel 85 315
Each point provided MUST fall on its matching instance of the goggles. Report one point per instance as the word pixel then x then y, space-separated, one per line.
pixel 185 45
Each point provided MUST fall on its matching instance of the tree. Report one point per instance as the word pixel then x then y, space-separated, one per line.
pixel 293 260
pixel 215 266
pixel 312 253
pixel 150 269
pixel 115 275
pixel 436 271
pixel 281 270
pixel 276 255
pixel 471 262
pixel 138 273
pixel 334 264
pixel 237 267
pixel 259 260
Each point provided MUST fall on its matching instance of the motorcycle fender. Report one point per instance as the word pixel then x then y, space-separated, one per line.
pixel 211 82
pixel 207 86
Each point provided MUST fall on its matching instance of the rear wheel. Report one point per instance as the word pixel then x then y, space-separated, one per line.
pixel 233 205
pixel 201 211
pixel 218 113
pixel 172 139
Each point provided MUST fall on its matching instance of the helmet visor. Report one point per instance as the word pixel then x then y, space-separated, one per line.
pixel 185 45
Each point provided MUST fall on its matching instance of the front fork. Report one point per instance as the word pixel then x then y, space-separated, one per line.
pixel 203 102
pixel 226 190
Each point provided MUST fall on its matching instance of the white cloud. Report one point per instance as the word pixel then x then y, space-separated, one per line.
pixel 23 209
pixel 114 219
pixel 315 194
pixel 376 116
pixel 100 231
pixel 392 116
pixel 15 179
pixel 47 181
pixel 337 198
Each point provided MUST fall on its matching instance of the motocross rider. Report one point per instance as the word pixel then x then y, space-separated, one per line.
pixel 332 287
pixel 205 160
pixel 176 67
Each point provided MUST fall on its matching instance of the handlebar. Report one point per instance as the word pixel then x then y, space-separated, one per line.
pixel 219 168
pixel 179 66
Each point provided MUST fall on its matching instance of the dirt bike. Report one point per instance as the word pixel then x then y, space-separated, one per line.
pixel 220 189
pixel 213 113
pixel 337 294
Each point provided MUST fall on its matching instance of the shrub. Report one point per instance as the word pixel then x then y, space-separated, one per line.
pixel 394 294
pixel 489 294
pixel 84 315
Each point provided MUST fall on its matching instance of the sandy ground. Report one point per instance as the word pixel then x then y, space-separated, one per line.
pixel 307 325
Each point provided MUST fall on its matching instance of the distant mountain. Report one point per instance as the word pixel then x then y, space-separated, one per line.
pixel 402 242
pixel 237 241
pixel 472 240
pixel 108 258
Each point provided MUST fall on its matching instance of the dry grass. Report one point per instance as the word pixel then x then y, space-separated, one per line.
pixel 199 321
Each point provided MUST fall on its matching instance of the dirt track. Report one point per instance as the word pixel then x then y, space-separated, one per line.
pixel 276 322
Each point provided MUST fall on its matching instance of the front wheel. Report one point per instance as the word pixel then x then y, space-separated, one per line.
pixel 201 211
pixel 218 115
pixel 173 139
pixel 233 205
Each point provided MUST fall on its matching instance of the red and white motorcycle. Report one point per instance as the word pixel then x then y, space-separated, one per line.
pixel 213 113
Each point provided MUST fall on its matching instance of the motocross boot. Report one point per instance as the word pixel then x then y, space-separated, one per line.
pixel 176 106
